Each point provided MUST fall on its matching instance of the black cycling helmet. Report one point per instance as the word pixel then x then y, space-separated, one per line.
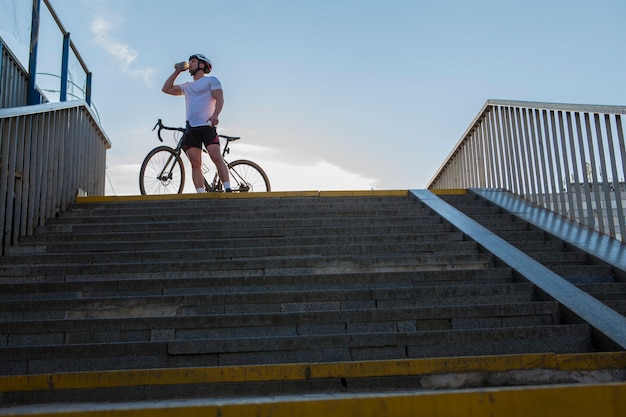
pixel 202 58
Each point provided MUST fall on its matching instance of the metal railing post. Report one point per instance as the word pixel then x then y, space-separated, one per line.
pixel 65 66
pixel 33 95
pixel 88 89
pixel 1 72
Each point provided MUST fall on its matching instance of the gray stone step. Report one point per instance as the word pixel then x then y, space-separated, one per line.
pixel 549 258
pixel 234 215
pixel 293 226
pixel 343 203
pixel 193 250
pixel 527 238
pixel 221 223
pixel 289 349
pixel 267 208
pixel 573 264
pixel 584 273
pixel 166 240
pixel 617 305
pixel 149 329
pixel 310 264
pixel 501 225
pixel 200 301
pixel 269 280
pixel 146 284
pixel 170 231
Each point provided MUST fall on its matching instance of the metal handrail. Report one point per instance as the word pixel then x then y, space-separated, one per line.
pixel 568 158
pixel 64 32
pixel 68 45
pixel 78 87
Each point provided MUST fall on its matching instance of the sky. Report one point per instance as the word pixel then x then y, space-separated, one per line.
pixel 331 94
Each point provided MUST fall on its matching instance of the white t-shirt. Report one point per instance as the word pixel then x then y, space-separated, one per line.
pixel 199 100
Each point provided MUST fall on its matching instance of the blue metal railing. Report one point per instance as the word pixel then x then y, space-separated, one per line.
pixel 68 46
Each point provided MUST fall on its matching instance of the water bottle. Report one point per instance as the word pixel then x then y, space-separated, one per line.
pixel 181 66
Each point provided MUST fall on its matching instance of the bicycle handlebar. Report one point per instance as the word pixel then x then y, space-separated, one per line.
pixel 161 126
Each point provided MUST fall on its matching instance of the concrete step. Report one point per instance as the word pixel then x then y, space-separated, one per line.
pixel 310 264
pixel 573 264
pixel 270 208
pixel 138 286
pixel 259 299
pixel 252 204
pixel 116 327
pixel 570 258
pixel 290 349
pixel 612 294
pixel 584 273
pixel 156 284
pixel 617 305
pixel 497 224
pixel 240 249
pixel 279 219
pixel 166 241
pixel 261 228
pixel 235 214
pixel 171 232
pixel 235 248
pixel 240 389
pixel 249 222
pixel 129 289
pixel 526 238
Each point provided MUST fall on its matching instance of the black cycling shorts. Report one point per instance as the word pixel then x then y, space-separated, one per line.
pixel 197 136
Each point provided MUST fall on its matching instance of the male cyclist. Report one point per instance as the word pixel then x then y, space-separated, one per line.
pixel 204 100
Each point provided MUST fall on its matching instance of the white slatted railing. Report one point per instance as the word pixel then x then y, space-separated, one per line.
pixel 48 154
pixel 568 158
pixel 13 80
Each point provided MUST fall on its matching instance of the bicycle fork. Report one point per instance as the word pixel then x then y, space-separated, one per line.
pixel 168 168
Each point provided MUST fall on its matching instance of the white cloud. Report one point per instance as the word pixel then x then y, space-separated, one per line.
pixel 322 176
pixel 123 53
pixel 122 179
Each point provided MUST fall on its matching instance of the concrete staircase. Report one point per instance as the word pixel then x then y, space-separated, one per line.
pixel 605 282
pixel 293 293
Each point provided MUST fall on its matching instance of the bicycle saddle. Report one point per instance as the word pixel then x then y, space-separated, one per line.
pixel 230 138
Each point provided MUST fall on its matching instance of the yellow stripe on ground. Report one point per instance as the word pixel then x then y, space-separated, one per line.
pixel 272 194
pixel 449 191
pixel 293 372
pixel 365 193
pixel 591 361
pixel 606 400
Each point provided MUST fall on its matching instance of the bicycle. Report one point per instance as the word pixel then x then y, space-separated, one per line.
pixel 163 171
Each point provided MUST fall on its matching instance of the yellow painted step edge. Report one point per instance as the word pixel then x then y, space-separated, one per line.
pixel 293 372
pixel 272 194
pixel 606 400
pixel 449 191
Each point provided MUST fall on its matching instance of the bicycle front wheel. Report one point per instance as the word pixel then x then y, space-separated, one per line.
pixel 162 172
pixel 246 176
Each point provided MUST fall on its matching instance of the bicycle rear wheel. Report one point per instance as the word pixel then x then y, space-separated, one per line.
pixel 162 172
pixel 246 176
